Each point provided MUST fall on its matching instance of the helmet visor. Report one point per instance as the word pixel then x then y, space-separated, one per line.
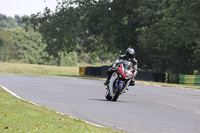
pixel 130 56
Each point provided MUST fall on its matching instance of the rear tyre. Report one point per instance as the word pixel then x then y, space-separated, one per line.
pixel 117 92
pixel 108 97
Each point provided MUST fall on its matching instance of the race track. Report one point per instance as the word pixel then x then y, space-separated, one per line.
pixel 143 109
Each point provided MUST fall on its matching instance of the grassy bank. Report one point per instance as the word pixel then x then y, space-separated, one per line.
pixel 171 85
pixel 32 69
pixel 17 115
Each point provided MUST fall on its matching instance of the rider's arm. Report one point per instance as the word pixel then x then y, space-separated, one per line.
pixel 119 59
pixel 114 65
pixel 135 65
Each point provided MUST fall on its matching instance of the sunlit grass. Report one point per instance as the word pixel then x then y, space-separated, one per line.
pixel 170 85
pixel 32 69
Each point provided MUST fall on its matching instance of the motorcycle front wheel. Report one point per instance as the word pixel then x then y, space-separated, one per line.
pixel 108 97
pixel 117 92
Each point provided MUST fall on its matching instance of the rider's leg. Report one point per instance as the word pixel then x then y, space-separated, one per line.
pixel 132 83
pixel 109 73
pixel 107 81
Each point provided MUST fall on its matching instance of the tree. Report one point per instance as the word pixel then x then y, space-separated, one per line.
pixel 172 42
pixel 106 25
pixel 165 33
pixel 7 22
pixel 6 46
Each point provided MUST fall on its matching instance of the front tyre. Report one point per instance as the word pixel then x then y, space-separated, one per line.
pixel 117 92
pixel 108 97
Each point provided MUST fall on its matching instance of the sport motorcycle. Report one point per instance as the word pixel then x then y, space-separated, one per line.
pixel 119 80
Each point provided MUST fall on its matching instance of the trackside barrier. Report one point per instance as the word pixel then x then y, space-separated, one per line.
pixel 189 79
pixel 152 76
pixel 142 75
pixel 197 80
pixel 103 71
pixel 93 71
pixel 82 70
pixel 181 79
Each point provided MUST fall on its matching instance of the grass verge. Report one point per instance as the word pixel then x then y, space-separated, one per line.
pixel 32 69
pixel 170 85
pixel 20 116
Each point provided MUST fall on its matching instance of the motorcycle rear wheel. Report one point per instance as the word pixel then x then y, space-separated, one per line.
pixel 117 92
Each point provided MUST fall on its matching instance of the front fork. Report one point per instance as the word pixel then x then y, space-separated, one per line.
pixel 124 85
pixel 119 81
pixel 113 86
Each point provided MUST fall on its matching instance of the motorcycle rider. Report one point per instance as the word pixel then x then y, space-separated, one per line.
pixel 129 56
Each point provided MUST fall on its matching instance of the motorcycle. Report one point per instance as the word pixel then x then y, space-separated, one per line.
pixel 119 80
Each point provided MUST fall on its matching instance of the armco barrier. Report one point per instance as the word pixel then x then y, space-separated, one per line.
pixel 142 75
pixel 197 80
pixel 181 79
pixel 152 76
pixel 158 77
pixel 189 79
pixel 103 71
pixel 93 71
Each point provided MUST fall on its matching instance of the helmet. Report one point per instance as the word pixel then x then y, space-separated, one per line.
pixel 130 53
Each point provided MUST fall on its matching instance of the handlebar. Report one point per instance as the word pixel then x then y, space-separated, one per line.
pixel 115 69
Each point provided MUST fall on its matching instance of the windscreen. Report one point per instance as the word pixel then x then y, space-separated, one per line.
pixel 127 65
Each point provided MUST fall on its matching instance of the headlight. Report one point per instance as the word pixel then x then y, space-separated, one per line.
pixel 128 74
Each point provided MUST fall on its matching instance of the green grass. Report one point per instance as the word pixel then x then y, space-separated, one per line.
pixel 32 69
pixel 171 85
pixel 19 116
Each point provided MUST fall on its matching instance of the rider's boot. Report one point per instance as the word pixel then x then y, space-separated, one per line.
pixel 132 83
pixel 106 82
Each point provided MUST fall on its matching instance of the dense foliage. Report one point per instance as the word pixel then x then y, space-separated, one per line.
pixel 6 46
pixel 172 40
pixel 27 47
pixel 9 22
pixel 22 44
pixel 19 45
pixel 94 26
pixel 165 33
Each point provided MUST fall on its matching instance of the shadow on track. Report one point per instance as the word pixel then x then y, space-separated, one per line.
pixel 104 100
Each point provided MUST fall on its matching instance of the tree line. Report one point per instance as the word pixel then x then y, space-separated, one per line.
pixel 164 33
pixel 21 44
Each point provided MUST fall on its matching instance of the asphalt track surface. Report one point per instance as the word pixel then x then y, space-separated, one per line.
pixel 142 109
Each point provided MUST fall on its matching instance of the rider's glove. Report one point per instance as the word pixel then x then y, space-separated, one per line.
pixel 134 76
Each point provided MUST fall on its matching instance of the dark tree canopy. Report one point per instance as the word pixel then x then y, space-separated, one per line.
pixel 164 33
